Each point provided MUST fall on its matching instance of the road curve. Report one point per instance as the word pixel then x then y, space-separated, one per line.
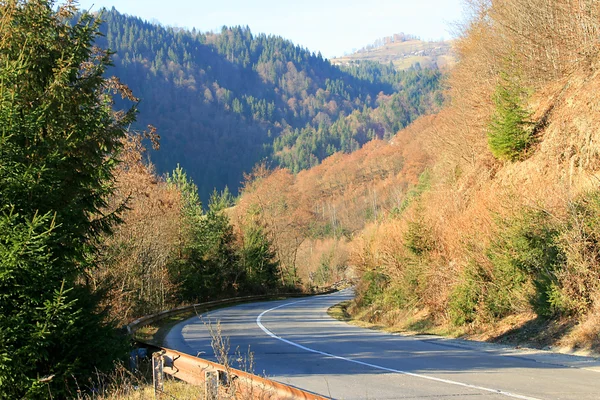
pixel 295 342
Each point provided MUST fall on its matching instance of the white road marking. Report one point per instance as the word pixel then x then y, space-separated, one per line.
pixel 268 332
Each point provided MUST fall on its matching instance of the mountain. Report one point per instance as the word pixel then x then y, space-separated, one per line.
pixel 403 51
pixel 224 101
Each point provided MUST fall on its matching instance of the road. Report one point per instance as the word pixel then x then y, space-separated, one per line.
pixel 295 342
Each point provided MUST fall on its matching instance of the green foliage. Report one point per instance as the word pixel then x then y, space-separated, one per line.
pixel 220 201
pixel 208 263
pixel 527 247
pixel 328 269
pixel 577 286
pixel 463 303
pixel 59 137
pixel 406 292
pixel 214 262
pixel 509 133
pixel 415 192
pixel 372 287
pixel 524 258
pixel 552 264
pixel 418 238
pixel 192 206
pixel 318 230
pixel 258 260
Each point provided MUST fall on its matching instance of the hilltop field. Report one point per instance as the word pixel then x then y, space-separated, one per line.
pixel 404 53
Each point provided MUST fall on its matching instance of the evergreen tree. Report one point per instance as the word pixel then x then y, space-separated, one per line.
pixel 58 145
pixel 509 132
pixel 258 259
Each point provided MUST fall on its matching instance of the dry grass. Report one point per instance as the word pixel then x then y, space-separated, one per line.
pixel 173 389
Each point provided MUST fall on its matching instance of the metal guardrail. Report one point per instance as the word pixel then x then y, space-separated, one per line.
pixel 134 326
pixel 224 382
pixel 220 381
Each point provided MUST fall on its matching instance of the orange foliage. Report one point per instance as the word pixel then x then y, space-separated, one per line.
pixel 308 213
pixel 133 266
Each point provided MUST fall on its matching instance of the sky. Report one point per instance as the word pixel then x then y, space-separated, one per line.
pixel 333 27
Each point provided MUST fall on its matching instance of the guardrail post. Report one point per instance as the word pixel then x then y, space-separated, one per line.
pixel 158 376
pixel 211 385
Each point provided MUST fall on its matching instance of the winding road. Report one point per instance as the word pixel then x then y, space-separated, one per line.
pixel 295 342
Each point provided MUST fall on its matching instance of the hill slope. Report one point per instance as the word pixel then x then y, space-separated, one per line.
pixel 499 237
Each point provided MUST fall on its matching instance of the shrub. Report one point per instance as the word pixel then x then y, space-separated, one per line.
pixel 527 248
pixel 523 261
pixel 464 298
pixel 372 288
pixel 418 238
pixel 577 284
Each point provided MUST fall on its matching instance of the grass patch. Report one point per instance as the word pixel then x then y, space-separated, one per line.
pixel 409 323
pixel 340 311
pixel 422 325
pixel 537 333
pixel 156 333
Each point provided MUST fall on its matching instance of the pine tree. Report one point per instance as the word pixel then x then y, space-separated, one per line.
pixel 58 146
pixel 258 259
pixel 509 133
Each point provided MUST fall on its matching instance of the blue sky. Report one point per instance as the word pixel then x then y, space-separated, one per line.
pixel 330 26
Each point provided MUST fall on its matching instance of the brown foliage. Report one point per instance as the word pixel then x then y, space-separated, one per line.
pixel 134 259
pixel 269 197
pixel 313 214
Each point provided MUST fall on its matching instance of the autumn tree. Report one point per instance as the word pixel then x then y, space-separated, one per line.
pixel 134 258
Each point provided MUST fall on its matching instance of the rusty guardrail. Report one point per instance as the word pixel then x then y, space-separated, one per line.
pixel 224 382
pixel 220 381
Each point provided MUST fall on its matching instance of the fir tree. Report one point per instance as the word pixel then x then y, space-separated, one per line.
pixel 509 132
pixel 58 143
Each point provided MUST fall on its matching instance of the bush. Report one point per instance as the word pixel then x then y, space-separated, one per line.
pixel 577 286
pixel 464 298
pixel 527 248
pixel 524 259
pixel 372 287
pixel 407 291
pixel 418 238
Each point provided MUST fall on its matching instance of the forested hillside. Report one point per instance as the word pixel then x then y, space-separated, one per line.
pixel 482 218
pixel 224 101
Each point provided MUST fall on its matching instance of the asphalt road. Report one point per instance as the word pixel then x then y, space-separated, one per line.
pixel 294 341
